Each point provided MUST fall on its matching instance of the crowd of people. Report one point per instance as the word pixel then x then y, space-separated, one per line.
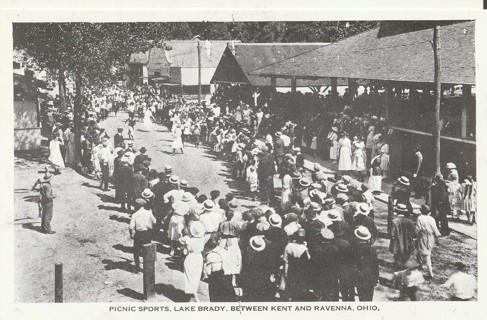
pixel 314 242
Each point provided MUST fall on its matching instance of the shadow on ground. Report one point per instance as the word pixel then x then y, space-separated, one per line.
pixel 31 226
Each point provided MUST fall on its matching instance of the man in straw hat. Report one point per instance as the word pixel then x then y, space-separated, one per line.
pixel 402 234
pixel 46 200
pixel 361 218
pixel 364 256
pixel 141 225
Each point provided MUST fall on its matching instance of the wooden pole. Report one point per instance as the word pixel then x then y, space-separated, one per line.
pixel 437 85
pixel 293 84
pixel 199 73
pixel 58 283
pixel 466 93
pixel 149 252
pixel 334 85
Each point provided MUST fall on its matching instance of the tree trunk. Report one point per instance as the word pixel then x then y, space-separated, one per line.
pixel 78 109
pixel 437 84
pixel 62 88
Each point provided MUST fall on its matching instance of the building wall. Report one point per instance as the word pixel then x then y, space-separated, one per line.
pixel 189 76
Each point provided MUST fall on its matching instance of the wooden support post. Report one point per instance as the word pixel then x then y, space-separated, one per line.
pixel 334 85
pixel 293 84
pixel 438 93
pixel 149 252
pixel 58 283
pixel 466 93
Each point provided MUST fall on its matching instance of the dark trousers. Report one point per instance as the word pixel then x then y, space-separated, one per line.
pixel 105 175
pixel 140 238
pixel 220 288
pixel 47 209
pixel 365 292
pixel 328 286
pixel 411 293
pixel 267 189
pixel 417 186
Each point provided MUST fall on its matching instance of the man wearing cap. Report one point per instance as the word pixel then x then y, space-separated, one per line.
pixel 402 234
pixel 141 225
pixel 324 263
pixel 364 257
pixel 118 138
pixel 265 172
pixel 46 200
pixel 138 184
pixel 141 157
pixel 440 204
pixel 278 150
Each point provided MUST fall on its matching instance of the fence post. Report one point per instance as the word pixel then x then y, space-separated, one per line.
pixel 58 283
pixel 149 252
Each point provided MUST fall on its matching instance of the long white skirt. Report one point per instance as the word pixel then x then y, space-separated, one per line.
pixel 375 183
pixel 176 226
pixel 55 154
pixel 193 268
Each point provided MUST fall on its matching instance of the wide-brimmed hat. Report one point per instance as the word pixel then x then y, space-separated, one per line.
pixel 295 175
pixel 341 188
pixel 362 233
pixel 197 229
pixel 315 206
pixel 304 182
pixel 275 220
pixel 174 180
pixel 297 149
pixel 401 208
pixel 183 183
pixel 147 194
pixel 328 201
pixel 451 165
pixel 342 197
pixel 167 169
pixel 346 179
pixel 403 180
pixel 208 205
pixel 335 129
pixel 257 243
pixel 327 234
pixel 187 196
pixel 334 215
pixel 262 226
pixel 47 177
pixel 362 208
pixel 316 186
pixel 130 143
pixel 278 133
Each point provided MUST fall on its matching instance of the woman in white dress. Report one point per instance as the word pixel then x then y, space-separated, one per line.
pixel 287 182
pixel 375 180
pixel 177 142
pixel 148 117
pixel 384 159
pixel 193 263
pixel 358 162
pixel 344 154
pixel 55 152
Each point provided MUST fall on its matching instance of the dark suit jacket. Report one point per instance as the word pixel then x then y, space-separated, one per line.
pixel 117 139
pixel 279 148
pixel 139 183
pixel 266 166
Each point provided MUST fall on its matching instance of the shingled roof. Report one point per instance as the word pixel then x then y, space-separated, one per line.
pixel 405 57
pixel 184 53
pixel 237 63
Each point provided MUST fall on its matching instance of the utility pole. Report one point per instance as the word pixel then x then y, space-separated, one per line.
pixel 199 72
pixel 438 93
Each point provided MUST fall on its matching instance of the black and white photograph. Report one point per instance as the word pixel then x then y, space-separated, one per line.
pixel 244 161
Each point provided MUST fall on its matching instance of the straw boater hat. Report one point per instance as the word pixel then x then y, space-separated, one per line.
pixel 47 177
pixel 315 206
pixel 296 175
pixel 147 194
pixel 197 229
pixel 334 215
pixel 257 243
pixel 278 133
pixel 141 202
pixel 327 234
pixel 262 226
pixel 233 204
pixel 362 209
pixel 346 179
pixel 341 188
pixel 316 185
pixel 187 196
pixel 403 180
pixel 343 197
pixel 174 180
pixel 313 192
pixel 208 205
pixel 275 220
pixel 401 208
pixel 362 233
pixel 183 183
pixel 334 129
pixel 167 169
pixel 451 165
pixel 316 167
pixel 328 201
pixel 297 149
pixel 304 182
